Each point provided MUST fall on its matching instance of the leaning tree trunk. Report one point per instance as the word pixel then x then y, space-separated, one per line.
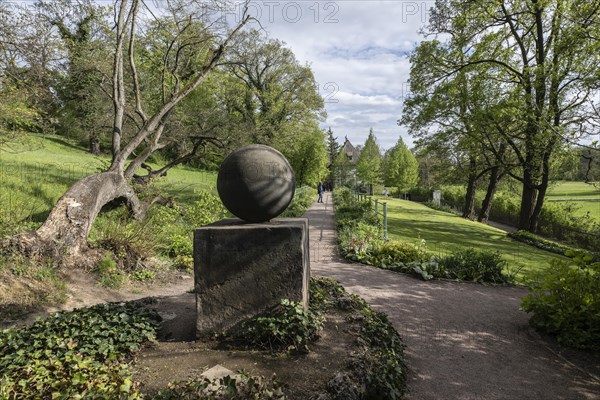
pixel 63 237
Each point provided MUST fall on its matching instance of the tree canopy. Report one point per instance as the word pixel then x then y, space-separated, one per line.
pixel 400 168
pixel 368 167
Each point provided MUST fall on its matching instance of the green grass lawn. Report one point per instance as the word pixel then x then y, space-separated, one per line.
pixel 34 175
pixel 584 196
pixel 444 232
pixel 570 190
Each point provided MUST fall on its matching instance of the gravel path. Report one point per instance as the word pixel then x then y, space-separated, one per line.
pixel 464 341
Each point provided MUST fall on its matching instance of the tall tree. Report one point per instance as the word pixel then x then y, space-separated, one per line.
pixel 369 162
pixel 308 156
pixel 540 48
pixel 83 105
pixel 400 168
pixel 343 170
pixel 195 51
pixel 271 90
pixel 333 147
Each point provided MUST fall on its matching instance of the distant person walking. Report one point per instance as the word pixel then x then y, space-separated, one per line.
pixel 320 191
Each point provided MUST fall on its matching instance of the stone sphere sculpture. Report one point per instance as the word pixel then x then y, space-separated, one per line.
pixel 256 183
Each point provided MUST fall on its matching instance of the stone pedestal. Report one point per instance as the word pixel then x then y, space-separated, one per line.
pixel 241 269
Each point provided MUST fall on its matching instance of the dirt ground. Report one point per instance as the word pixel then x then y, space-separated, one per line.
pixel 83 291
pixel 178 356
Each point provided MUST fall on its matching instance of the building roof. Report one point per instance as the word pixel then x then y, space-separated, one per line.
pixel 350 151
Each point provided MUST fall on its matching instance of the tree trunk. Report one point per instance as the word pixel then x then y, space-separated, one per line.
pixel 533 223
pixel 63 237
pixel 469 207
pixel 94 144
pixel 527 201
pixel 486 206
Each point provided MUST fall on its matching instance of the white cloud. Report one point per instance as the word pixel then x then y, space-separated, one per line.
pixel 355 99
pixel 358 51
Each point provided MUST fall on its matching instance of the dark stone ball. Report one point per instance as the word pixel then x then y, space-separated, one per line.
pixel 256 183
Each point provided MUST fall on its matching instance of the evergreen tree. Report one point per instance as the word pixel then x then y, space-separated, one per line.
pixel 369 162
pixel 333 148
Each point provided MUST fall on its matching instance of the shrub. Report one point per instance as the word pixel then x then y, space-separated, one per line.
pixel 303 198
pixel 381 364
pixel 130 241
pixel 358 240
pixel 324 292
pixel 207 209
pixel 441 207
pixel 108 272
pixel 173 226
pixel 548 245
pixel 284 327
pixel 565 301
pixel 477 266
pixel 421 194
pixel 351 214
pixel 76 354
pixel 393 252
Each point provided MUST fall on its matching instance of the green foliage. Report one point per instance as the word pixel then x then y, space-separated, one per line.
pixel 303 198
pixel 245 387
pixel 110 275
pixel 360 240
pixel 341 169
pixel 477 266
pixel 172 227
pixel 400 167
pixel 369 162
pixel 18 114
pixel 380 364
pixel 76 354
pixel 207 209
pixel 565 301
pixel 142 275
pixel 307 153
pixel 324 292
pixel 285 327
pixel 548 245
pixel 421 194
pixel 441 207
pixel 349 212
pixel 128 240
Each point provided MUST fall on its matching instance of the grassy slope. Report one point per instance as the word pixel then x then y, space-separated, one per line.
pixel 444 232
pixel 588 197
pixel 565 190
pixel 34 176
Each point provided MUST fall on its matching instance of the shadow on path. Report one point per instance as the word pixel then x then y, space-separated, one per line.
pixel 464 341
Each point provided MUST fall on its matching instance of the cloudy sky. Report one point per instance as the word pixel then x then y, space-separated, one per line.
pixel 358 50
